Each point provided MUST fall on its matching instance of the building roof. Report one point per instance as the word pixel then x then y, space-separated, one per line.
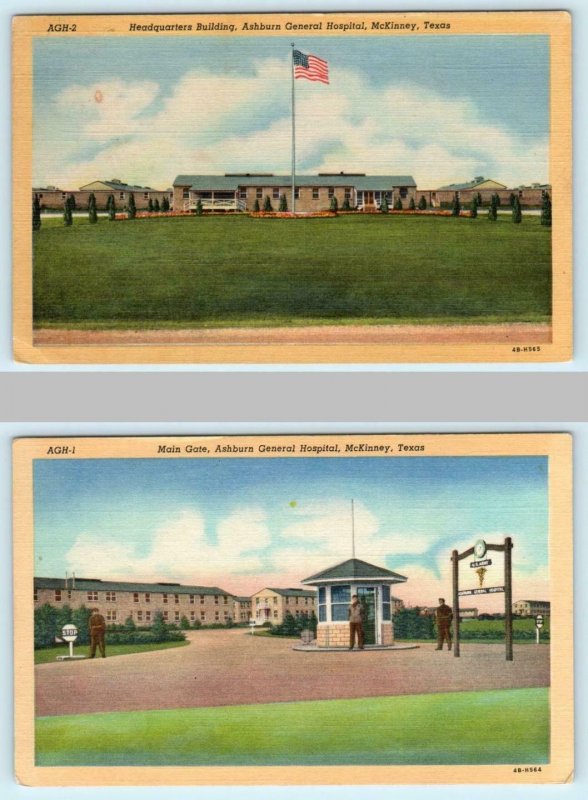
pixel 540 602
pixel 242 599
pixel 96 584
pixel 290 592
pixel 355 569
pixel 119 186
pixel 472 184
pixel 232 182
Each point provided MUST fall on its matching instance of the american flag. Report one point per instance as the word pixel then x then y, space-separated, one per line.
pixel 310 67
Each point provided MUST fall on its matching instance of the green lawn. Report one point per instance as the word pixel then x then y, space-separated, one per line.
pixel 494 727
pixel 228 271
pixel 49 654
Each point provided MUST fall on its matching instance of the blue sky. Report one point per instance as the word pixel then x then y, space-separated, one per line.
pixel 439 107
pixel 246 524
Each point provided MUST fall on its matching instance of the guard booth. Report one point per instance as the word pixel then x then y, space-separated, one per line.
pixel 337 585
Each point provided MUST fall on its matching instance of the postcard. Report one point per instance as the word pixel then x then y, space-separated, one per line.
pixel 338 609
pixel 293 188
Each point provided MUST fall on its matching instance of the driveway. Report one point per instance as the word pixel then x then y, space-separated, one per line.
pixel 231 667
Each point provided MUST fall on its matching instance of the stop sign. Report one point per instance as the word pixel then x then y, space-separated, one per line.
pixel 69 633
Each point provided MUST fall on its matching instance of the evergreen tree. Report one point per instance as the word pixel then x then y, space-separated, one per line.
pixel 111 207
pixel 36 213
pixel 283 203
pixel 256 207
pixel 130 624
pixel 199 208
pixel 334 204
pixel 288 626
pixel 165 203
pixel 67 215
pixel 384 207
pixel 150 205
pixel 184 623
pixel 156 206
pixel 474 212
pixel 267 204
pixel 72 202
pixel 398 204
pixel 479 197
pixel 132 208
pixel 313 623
pixel 511 199
pixel 493 210
pixel 159 628
pixel 412 205
pixel 546 210
pixel 423 203
pixel 80 618
pixel 498 200
pixel 346 205
pixel 92 215
pixel 455 206
pixel 516 211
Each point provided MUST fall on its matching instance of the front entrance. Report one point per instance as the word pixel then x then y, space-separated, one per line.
pixel 368 597
pixel 368 201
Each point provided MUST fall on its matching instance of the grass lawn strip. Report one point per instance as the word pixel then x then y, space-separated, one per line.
pixel 492 727
pixel 49 654
pixel 223 272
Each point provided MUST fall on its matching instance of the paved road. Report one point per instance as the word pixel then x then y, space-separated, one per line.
pixel 513 333
pixel 232 667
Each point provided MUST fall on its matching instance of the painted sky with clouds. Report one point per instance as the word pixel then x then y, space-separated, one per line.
pixel 442 108
pixel 243 524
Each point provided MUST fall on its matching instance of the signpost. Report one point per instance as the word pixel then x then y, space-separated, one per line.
pixel 538 625
pixel 69 633
pixel 252 624
pixel 479 551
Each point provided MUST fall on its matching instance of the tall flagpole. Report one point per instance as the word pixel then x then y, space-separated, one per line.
pixel 352 530
pixel 293 203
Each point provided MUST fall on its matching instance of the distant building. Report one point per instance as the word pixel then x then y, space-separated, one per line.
pixel 242 609
pixel 530 608
pixel 272 604
pixel 464 613
pixel 240 191
pixel 118 600
pixel 485 188
pixel 52 198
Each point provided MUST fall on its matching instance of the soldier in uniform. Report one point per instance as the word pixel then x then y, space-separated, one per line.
pixel 97 626
pixel 443 615
pixel 355 623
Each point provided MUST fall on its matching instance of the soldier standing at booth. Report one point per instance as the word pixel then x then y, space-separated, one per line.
pixel 97 626
pixel 356 616
pixel 444 616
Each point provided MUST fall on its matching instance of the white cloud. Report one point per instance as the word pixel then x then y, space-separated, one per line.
pixel 214 124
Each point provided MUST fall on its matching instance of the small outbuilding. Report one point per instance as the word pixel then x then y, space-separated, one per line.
pixel 337 585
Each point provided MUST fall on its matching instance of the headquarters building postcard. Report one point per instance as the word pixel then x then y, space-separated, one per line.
pixel 342 609
pixel 293 188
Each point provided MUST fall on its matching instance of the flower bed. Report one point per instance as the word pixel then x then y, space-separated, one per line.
pixel 289 215
pixel 147 214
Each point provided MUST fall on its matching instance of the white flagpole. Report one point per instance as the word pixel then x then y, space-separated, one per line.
pixel 293 202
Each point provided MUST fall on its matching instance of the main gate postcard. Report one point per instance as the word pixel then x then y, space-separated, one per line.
pixel 293 188
pixel 294 610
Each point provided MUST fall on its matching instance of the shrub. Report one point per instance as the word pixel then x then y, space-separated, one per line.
pixel 455 206
pixel 423 203
pixel 159 628
pixel 229 623
pixel 129 625
pixel 45 626
pixel 165 204
pixel 67 215
pixel 156 206
pixel 384 208
pixel 132 208
pixel 516 211
pixel 150 205
pixel 92 213
pixel 80 618
pixel 199 208
pixel 197 623
pixel 346 205
pixel 546 210
pixel 283 203
pixel 184 623
pixel 36 213
pixel 111 207
pixel 398 204
pixel 412 205
pixel 493 210
pixel 334 205
pixel 267 204
pixel 475 206
pixel 256 207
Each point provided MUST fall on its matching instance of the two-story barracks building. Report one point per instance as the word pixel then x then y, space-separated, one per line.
pixel 118 600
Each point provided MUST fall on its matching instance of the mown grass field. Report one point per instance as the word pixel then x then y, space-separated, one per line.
pixel 238 271
pixel 49 654
pixel 494 727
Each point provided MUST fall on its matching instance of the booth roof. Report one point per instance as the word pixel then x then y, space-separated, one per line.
pixel 353 569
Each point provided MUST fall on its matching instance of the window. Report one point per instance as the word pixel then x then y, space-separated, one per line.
pixel 322 609
pixel 192 599
pixel 259 193
pixel 347 193
pixel 111 615
pixel 185 194
pixel 36 595
pixel 306 601
pixel 275 601
pixel 331 191
pixel 315 193
pixel 403 192
pixel 166 615
pixel 147 597
pixel 201 599
pixel 216 599
pixel 340 599
pixel 287 601
pixel 296 601
pixel 135 597
pixel 177 616
pixel 176 598
pixel 243 194
pixel 146 195
pixel 148 616
pixel 275 614
pixel 111 597
pixel 92 596
pixel 226 615
pixel 202 616
pixel 297 193
pixel 225 599
pixel 121 195
pixel 216 616
pixel 192 616
pixel 62 195
pixel 276 192
pixel 69 594
pixel 385 602
pixel 164 597
pixel 58 595
pixel 139 616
